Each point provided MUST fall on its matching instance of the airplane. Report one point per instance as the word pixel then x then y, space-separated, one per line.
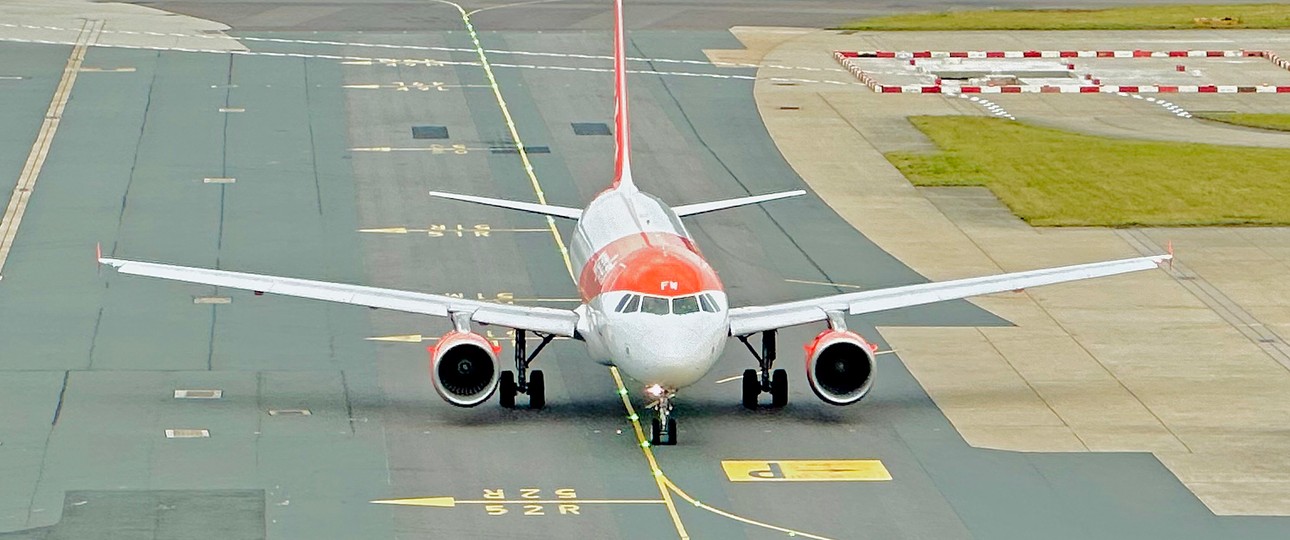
pixel 650 303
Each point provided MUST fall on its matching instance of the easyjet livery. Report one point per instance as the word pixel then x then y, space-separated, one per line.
pixel 651 305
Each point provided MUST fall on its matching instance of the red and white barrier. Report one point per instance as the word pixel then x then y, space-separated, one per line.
pixel 843 58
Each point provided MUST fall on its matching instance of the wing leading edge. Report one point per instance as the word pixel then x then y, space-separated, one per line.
pixel 749 320
pixel 560 322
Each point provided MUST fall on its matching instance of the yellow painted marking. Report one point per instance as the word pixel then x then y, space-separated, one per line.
pixel 386 230
pixel 456 149
pixel 361 86
pixel 450 502
pixel 741 519
pixel 436 502
pixel 357 63
pixel 44 139
pixel 853 470
pixel 659 478
pixel 107 70
pixel 824 283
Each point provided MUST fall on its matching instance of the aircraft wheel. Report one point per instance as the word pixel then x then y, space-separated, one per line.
pixel 537 390
pixel 779 388
pixel 671 431
pixel 656 432
pixel 506 390
pixel 752 389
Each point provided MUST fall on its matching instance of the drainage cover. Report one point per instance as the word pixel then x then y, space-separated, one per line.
pixel 429 132
pixel 591 128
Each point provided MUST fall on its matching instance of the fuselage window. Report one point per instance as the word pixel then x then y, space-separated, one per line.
pixel 633 304
pixel 654 305
pixel 707 304
pixel 623 303
pixel 685 305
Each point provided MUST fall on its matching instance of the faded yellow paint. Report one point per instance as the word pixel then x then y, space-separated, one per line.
pixel 847 470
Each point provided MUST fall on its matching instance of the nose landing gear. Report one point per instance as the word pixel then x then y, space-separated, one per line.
pixel 533 384
pixel 765 379
pixel 663 426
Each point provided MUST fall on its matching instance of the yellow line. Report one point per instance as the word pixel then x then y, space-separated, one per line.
pixel 562 501
pixel 824 283
pixel 659 477
pixel 741 519
pixel 515 136
pixel 44 140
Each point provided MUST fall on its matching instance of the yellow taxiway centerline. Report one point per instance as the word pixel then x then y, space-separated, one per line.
pixel 44 140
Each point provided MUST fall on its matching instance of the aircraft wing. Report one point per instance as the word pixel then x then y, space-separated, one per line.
pixel 560 322
pixel 749 320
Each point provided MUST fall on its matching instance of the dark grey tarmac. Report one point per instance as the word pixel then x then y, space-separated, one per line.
pixel 90 360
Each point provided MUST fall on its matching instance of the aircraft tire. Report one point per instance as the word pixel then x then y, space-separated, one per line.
pixel 779 388
pixel 506 390
pixel 752 389
pixel 537 390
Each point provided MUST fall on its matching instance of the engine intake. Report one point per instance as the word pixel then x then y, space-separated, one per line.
pixel 840 366
pixel 464 368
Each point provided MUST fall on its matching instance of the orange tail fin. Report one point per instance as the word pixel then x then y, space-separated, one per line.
pixel 622 130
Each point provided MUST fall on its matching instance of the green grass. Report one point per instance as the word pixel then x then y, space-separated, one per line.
pixel 1275 122
pixel 1050 177
pixel 1169 17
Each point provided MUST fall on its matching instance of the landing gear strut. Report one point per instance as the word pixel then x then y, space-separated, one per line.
pixel 765 379
pixel 532 384
pixel 663 427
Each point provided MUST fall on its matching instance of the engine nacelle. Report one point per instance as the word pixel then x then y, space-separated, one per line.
pixel 840 366
pixel 464 368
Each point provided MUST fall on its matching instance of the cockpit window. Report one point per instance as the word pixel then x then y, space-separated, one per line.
pixel 622 303
pixel 633 304
pixel 685 305
pixel 654 305
pixel 707 304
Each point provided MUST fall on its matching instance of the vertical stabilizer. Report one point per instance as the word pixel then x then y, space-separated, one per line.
pixel 622 131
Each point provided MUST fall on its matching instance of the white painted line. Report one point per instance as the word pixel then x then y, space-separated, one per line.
pixel 44 140
pixel 198 394
pixel 231 109
pixel 183 433
pixel 218 180
pixel 212 300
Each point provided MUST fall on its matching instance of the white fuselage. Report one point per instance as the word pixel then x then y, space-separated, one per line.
pixel 653 306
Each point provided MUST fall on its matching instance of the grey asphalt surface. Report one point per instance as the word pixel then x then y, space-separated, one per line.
pixel 90 360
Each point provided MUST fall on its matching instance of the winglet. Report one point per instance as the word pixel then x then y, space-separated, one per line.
pixel 1169 248
pixel 98 256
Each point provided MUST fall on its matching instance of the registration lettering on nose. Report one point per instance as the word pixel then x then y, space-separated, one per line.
pixel 805 470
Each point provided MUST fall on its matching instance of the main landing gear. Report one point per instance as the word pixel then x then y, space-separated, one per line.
pixel 533 383
pixel 764 379
pixel 663 427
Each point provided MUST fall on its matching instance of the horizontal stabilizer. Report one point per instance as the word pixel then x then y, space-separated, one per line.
pixel 544 209
pixel 692 209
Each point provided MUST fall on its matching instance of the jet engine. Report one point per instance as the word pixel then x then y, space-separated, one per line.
pixel 464 368
pixel 840 366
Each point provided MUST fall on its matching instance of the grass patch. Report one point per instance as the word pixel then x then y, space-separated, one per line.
pixel 1050 177
pixel 1171 17
pixel 1275 122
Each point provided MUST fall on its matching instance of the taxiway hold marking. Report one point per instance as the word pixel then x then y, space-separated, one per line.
pixel 853 470
pixel 44 140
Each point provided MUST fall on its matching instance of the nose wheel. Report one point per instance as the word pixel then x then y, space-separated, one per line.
pixel 663 427
pixel 521 381
pixel 765 379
